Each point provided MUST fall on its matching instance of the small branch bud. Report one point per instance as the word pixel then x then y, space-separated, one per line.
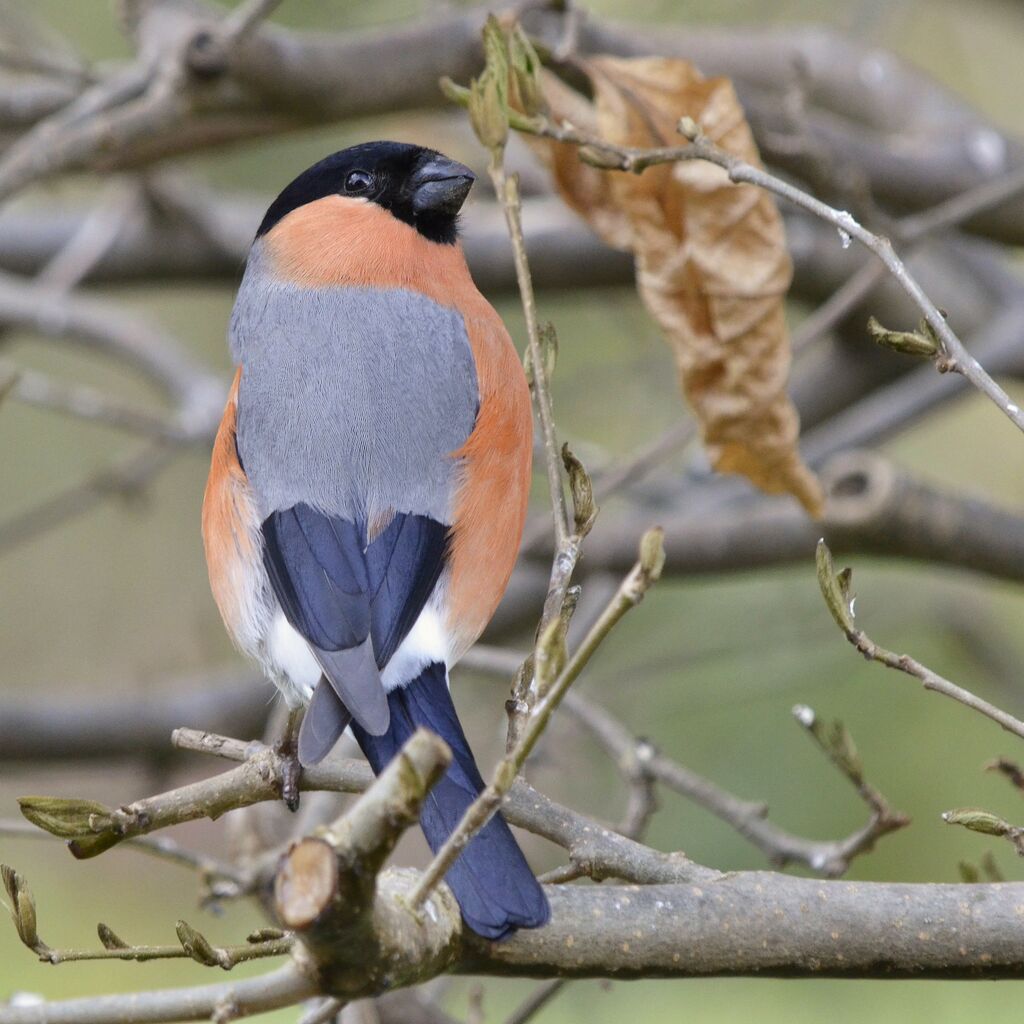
pixel 689 129
pixel 23 909
pixel 109 939
pixel 198 946
pixel 68 819
pixel 526 68
pixel 652 554
pixel 584 507
pixel 835 588
pixel 912 343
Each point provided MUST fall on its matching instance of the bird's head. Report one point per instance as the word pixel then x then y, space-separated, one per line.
pixel 416 185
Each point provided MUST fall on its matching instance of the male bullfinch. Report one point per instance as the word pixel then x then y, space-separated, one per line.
pixel 369 479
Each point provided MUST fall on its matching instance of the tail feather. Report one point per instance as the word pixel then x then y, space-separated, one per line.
pixel 495 888
pixel 325 720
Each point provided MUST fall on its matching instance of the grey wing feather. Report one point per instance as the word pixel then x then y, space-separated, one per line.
pixel 355 678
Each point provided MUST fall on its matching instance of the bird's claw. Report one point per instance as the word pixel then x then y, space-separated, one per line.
pixel 291 773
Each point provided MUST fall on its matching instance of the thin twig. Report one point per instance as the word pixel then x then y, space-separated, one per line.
pixel 507 191
pixel 829 857
pixel 630 593
pixel 245 18
pixel 909 231
pixel 536 1001
pixel 225 957
pixel 608 156
pixel 835 588
pixel 230 1000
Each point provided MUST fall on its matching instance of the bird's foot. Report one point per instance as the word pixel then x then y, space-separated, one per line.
pixel 287 750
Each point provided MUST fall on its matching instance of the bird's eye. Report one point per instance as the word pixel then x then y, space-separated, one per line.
pixel 358 181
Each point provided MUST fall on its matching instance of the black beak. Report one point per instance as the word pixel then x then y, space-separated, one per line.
pixel 441 186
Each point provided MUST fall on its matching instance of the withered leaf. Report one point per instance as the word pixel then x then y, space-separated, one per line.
pixel 711 259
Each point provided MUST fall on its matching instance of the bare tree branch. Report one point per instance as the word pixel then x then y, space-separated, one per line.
pixel 861 100
pixel 225 1001
pixel 835 588
pixel 550 693
pixel 830 858
pixel 950 353
pixel 231 700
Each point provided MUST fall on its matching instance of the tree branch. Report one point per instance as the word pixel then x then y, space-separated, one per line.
pixel 835 588
pixel 630 593
pixel 221 1002
pixel 361 934
pixel 830 858
pixel 950 353
pixel 767 925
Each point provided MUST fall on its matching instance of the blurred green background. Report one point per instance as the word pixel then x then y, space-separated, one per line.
pixel 118 601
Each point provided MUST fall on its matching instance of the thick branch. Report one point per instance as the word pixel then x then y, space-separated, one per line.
pixel 862 102
pixel 108 728
pixel 859 100
pixel 768 925
pixel 873 508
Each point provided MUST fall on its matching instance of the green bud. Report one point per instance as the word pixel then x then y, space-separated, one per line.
pixel 526 69
pixel 197 945
pixel 652 553
pixel 835 588
pixel 978 821
pixel 69 819
pixel 487 112
pixel 584 507
pixel 496 53
pixel 23 907
pixel 109 938
pixel 913 343
pixel 26 920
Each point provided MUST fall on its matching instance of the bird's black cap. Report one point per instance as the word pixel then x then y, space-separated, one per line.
pixel 417 185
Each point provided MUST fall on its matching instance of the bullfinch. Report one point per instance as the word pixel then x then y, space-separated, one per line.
pixel 369 479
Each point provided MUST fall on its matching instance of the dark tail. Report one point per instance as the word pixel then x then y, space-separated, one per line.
pixel 496 890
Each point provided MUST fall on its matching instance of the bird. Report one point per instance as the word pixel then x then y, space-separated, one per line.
pixel 369 481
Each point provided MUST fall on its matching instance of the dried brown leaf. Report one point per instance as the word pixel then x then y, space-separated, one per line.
pixel 711 260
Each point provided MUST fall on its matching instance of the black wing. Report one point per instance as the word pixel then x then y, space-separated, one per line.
pixel 353 602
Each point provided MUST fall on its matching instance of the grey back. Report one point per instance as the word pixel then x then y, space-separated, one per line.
pixel 351 400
